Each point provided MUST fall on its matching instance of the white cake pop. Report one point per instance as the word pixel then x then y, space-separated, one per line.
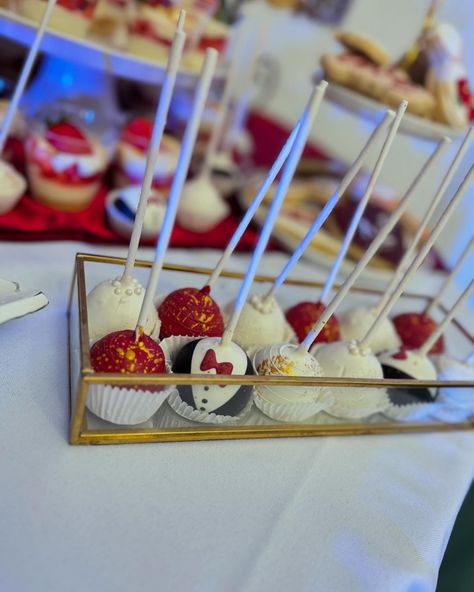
pixel 285 359
pixel 355 323
pixel 262 322
pixel 116 304
pixel 347 359
pixel 201 207
pixel 113 304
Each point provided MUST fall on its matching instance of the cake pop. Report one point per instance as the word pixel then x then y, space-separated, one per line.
pixel 223 356
pixel 355 322
pixel 116 304
pixel 254 313
pixel 135 352
pixel 302 316
pixel 414 328
pixel 415 364
pixel 13 184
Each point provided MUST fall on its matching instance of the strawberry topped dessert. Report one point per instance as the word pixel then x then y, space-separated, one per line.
pixel 65 165
pixel 132 152
pixel 69 16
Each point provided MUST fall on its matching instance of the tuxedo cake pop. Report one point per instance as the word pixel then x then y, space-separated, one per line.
pixel 210 356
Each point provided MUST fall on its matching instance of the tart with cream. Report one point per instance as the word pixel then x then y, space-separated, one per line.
pixel 65 165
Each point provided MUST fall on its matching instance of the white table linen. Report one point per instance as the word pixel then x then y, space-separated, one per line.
pixel 349 513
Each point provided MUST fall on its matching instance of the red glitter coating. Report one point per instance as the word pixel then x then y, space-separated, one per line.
pixel 302 317
pixel 414 329
pixel 119 352
pixel 192 312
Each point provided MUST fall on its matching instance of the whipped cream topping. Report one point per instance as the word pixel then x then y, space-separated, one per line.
pixel 87 164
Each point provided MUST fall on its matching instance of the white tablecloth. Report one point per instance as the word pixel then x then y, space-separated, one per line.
pixel 352 513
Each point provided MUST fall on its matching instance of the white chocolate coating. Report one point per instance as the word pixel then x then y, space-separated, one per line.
pixel 285 359
pixel 346 359
pixel 210 398
pixel 201 207
pixel 113 306
pixel 355 323
pixel 260 323
pixel 133 161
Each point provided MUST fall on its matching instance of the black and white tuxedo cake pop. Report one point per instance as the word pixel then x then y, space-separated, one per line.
pixel 210 356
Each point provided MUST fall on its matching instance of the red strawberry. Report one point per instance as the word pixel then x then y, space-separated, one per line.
pixel 138 133
pixel 66 137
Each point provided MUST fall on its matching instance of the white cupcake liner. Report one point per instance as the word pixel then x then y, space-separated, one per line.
pixel 293 412
pixel 191 414
pixel 125 406
pixel 352 403
pixel 173 345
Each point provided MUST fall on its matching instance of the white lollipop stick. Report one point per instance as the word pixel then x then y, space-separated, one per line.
pixel 282 189
pixel 187 146
pixel 372 249
pixel 242 104
pixel 452 274
pixel 425 348
pixel 159 124
pixel 257 200
pixel 330 204
pixel 408 256
pixel 420 257
pixel 363 203
pixel 25 74
pixel 217 129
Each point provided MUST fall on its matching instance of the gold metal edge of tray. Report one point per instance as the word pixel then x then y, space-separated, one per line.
pixel 79 434
pixel 260 432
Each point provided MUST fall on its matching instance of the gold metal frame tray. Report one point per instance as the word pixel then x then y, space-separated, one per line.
pixel 166 425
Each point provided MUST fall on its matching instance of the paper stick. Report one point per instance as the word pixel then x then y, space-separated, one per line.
pixel 452 274
pixel 420 257
pixel 362 203
pixel 330 204
pixel 159 124
pixel 218 127
pixel 372 249
pixel 409 254
pixel 25 73
pixel 257 200
pixel 282 189
pixel 184 159
pixel 425 348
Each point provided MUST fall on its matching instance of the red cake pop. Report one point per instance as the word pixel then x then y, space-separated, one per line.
pixel 122 352
pixel 192 312
pixel 304 315
pixel 414 328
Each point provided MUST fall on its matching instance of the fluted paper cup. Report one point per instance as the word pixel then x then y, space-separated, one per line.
pixel 292 412
pixel 191 414
pixel 125 406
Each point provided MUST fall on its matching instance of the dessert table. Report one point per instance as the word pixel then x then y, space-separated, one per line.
pixel 340 513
